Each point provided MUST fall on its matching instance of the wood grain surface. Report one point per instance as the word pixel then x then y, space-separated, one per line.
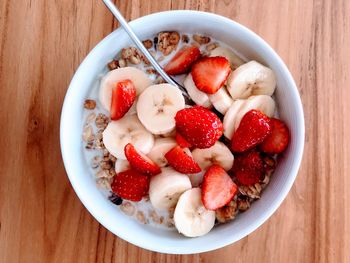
pixel 41 45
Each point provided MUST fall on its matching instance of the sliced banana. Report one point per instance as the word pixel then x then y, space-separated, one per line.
pixel 166 188
pixel 160 148
pixel 199 97
pixel 230 116
pixel 233 58
pixel 251 78
pixel 157 106
pixel 264 103
pixel 121 165
pixel 127 130
pixel 218 154
pixel 137 76
pixel 191 218
pixel 221 100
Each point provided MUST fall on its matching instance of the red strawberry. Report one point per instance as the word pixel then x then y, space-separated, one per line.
pixel 278 139
pixel 218 189
pixel 139 161
pixel 183 60
pixel 123 96
pixel 181 161
pixel 248 167
pixel 210 73
pixel 199 126
pixel 130 185
pixel 182 142
pixel 253 129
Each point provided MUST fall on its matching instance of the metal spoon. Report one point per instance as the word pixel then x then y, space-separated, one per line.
pixel 114 10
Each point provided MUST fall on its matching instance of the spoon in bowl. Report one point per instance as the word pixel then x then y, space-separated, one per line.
pixel 114 10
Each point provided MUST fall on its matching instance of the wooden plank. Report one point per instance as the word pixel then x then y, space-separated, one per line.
pixel 41 45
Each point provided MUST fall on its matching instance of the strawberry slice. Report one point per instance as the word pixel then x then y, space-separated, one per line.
pixel 248 167
pixel 183 60
pixel 198 126
pixel 278 139
pixel 123 96
pixel 181 141
pixel 181 161
pixel 210 73
pixel 139 161
pixel 130 185
pixel 253 129
pixel 218 189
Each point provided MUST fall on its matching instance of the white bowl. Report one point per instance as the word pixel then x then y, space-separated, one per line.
pixel 248 44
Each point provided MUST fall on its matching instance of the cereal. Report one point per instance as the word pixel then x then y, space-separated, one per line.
pixel 103 183
pixel 211 46
pixel 88 134
pixel 147 43
pixel 89 104
pixel 90 118
pixel 101 121
pixel 140 216
pixel 201 39
pixel 226 213
pixel 168 41
pixel 185 38
pixel 95 162
pixel 122 63
pixel 243 204
pixel 128 208
pixel 114 64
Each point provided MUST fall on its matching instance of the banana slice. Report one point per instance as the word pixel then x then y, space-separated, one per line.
pixel 121 165
pixel 230 116
pixel 157 106
pixel 234 59
pixel 160 148
pixel 249 79
pixel 127 130
pixel 165 188
pixel 137 76
pixel 221 100
pixel 199 97
pixel 191 218
pixel 264 103
pixel 217 154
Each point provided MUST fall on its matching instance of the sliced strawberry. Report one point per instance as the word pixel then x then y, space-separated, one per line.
pixel 218 189
pixel 278 139
pixel 253 129
pixel 181 161
pixel 130 185
pixel 183 60
pixel 198 126
pixel 248 167
pixel 210 73
pixel 181 141
pixel 139 161
pixel 123 96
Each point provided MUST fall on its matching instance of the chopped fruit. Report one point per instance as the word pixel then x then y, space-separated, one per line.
pixel 210 73
pixel 123 96
pixel 181 141
pixel 277 141
pixel 181 161
pixel 218 189
pixel 253 129
pixel 139 161
pixel 183 60
pixel 130 185
pixel 199 126
pixel 248 167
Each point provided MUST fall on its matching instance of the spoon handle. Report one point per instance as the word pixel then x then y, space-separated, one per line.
pixel 114 10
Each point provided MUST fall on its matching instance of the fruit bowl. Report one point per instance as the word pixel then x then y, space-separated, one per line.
pixel 149 237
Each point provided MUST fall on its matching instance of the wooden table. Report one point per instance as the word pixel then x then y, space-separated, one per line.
pixel 41 45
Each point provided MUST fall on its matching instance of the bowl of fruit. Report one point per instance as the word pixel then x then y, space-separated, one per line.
pixel 178 177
